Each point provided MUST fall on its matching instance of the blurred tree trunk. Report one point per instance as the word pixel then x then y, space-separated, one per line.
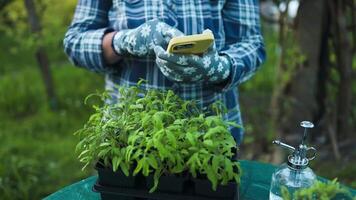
pixel 325 116
pixel 304 86
pixel 343 52
pixel 41 55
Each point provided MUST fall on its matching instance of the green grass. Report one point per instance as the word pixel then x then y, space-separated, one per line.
pixel 37 144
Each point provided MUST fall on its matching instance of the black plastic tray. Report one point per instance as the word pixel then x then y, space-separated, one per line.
pixel 117 192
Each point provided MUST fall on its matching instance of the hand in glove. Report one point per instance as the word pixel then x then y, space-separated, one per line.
pixel 210 67
pixel 142 40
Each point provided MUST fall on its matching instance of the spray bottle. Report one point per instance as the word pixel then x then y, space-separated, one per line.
pixel 295 174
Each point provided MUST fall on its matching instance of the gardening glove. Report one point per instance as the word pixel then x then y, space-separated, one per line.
pixel 142 40
pixel 210 67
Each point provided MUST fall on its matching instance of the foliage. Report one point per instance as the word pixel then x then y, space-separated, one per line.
pixel 37 156
pixel 15 25
pixel 320 190
pixel 155 132
pixel 210 152
pixel 17 104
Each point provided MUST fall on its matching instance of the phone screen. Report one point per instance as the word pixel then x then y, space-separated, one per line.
pixel 183 46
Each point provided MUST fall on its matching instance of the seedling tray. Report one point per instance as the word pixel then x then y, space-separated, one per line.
pixel 116 179
pixel 171 184
pixel 111 193
pixel 203 187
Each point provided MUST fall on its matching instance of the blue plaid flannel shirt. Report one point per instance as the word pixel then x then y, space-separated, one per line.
pixel 235 24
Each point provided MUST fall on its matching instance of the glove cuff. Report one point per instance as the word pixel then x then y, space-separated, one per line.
pixel 118 42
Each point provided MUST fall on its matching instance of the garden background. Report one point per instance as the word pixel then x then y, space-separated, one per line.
pixel 309 75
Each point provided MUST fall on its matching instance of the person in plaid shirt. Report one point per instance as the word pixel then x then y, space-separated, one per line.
pixel 126 40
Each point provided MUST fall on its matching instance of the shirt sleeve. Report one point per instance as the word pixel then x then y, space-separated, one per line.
pixel 244 42
pixel 83 40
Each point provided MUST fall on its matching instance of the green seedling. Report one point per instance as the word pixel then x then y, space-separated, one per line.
pixel 156 133
pixel 320 190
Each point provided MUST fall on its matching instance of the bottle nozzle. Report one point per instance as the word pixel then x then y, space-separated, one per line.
pixel 284 145
pixel 299 158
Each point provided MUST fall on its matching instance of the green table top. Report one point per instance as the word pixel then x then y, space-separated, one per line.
pixel 255 183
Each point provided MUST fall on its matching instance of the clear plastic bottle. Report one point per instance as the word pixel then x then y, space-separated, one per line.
pixel 295 174
pixel 290 178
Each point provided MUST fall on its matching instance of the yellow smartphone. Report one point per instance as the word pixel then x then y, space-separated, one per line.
pixel 191 44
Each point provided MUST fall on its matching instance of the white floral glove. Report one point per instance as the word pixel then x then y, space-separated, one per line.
pixel 210 67
pixel 142 40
